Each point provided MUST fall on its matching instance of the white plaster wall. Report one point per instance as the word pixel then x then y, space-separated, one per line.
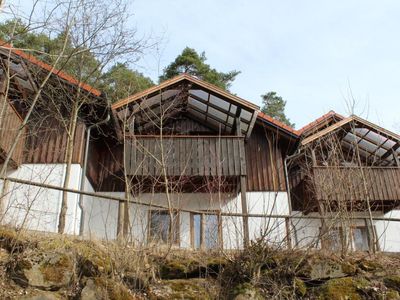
pixel 37 208
pixel 101 215
pixel 388 232
pixel 307 230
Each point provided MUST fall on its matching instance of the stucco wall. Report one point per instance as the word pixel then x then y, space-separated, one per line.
pixel 38 208
pixel 307 230
pixel 101 215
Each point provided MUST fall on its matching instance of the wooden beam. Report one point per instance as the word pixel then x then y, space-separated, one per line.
pixel 243 190
pixel 121 214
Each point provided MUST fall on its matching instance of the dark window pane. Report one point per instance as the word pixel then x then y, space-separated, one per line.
pixel 160 226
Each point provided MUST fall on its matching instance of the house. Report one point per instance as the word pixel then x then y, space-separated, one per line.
pixel 183 163
pixel 347 170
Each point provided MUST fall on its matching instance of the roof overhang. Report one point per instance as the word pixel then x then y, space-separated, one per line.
pixel 202 101
pixel 371 140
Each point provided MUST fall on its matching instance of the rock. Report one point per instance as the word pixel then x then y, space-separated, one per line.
pixel 392 295
pixel 135 282
pixel 342 289
pixel 184 268
pixel 179 269
pixel 41 295
pixel 392 282
pixel 105 288
pixel 246 291
pixel 91 291
pixel 180 289
pixel 321 269
pixel 50 271
pixel 369 265
pixel 12 240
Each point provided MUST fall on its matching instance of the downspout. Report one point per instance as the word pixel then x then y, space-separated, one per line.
pixel 83 176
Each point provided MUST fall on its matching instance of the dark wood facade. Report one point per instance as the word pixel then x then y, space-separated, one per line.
pixel 185 156
pixel 10 123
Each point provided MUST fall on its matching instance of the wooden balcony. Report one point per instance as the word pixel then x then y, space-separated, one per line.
pixel 357 183
pixel 185 156
pixel 10 122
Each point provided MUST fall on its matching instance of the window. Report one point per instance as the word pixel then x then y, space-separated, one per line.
pixel 160 226
pixel 206 231
pixel 333 239
pixel 360 239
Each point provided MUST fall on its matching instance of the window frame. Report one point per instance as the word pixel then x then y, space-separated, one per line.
pixel 176 227
pixel 202 228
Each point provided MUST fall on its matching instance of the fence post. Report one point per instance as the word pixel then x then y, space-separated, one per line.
pixel 288 233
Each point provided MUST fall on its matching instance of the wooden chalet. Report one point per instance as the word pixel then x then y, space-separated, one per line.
pixel 189 136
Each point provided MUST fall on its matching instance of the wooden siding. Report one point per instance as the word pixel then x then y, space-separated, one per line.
pixel 264 160
pixel 105 169
pixel 9 125
pixel 357 183
pixel 185 155
pixel 48 145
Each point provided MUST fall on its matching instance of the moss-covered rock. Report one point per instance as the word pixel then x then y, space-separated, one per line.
pixel 392 282
pixel 41 295
pixel 246 291
pixel 342 289
pixel 47 271
pixel 182 289
pixel 320 268
pixel 391 295
pixel 12 240
pixel 369 265
pixel 105 288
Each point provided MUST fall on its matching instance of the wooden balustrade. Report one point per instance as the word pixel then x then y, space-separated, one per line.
pixel 185 155
pixel 357 183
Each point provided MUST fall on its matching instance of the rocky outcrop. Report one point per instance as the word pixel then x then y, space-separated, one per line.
pixel 57 267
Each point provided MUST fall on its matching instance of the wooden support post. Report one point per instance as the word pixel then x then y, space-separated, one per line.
pixel 321 206
pixel 245 213
pixel 121 214
pixel 396 158
pixel 288 233
pixel 373 246
pixel 3 195
pixel 243 187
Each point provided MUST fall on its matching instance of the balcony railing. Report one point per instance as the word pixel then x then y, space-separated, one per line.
pixel 185 156
pixel 357 183
pixel 10 123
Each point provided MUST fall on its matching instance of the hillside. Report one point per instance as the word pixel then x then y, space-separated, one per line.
pixel 38 266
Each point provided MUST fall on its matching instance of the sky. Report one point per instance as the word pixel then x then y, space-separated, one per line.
pixel 317 55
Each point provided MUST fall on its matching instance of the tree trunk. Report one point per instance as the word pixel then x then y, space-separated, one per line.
pixel 68 159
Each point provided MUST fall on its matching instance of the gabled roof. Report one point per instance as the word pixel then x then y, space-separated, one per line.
pixel 148 93
pixel 324 120
pixel 371 139
pixel 278 124
pixel 181 78
pixel 33 60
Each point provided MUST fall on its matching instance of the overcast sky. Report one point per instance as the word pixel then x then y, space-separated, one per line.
pixel 312 53
pixel 317 55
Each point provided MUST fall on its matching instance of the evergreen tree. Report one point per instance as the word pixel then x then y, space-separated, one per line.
pixel 118 82
pixel 190 62
pixel 274 106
